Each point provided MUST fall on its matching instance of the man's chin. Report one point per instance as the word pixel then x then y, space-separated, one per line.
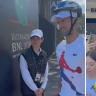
pixel 64 33
pixel 35 46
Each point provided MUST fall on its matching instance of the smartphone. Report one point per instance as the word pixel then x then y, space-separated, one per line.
pixel 90 37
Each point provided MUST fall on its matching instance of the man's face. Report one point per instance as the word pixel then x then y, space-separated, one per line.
pixel 36 41
pixel 64 25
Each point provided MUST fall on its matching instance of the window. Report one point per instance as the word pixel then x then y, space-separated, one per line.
pixel 92 9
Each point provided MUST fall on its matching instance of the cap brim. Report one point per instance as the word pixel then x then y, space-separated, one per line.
pixel 36 35
pixel 63 14
pixel 54 17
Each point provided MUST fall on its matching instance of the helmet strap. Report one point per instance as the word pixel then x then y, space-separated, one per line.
pixel 72 24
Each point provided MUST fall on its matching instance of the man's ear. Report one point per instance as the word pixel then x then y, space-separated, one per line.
pixel 74 21
pixel 42 39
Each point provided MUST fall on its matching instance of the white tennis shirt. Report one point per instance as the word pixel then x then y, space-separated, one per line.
pixel 73 80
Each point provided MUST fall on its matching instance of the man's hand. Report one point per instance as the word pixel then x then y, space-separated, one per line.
pixel 88 94
pixel 92 45
pixel 37 93
pixel 41 90
pixel 93 87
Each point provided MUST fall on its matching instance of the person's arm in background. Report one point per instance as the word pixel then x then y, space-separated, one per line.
pixel 58 54
pixel 89 94
pixel 43 86
pixel 6 74
pixel 26 75
pixel 59 86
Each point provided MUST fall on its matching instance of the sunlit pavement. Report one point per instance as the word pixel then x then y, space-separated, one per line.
pixel 53 77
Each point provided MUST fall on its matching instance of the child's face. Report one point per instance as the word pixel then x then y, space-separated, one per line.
pixel 90 67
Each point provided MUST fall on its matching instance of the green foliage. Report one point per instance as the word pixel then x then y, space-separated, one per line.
pixel 81 24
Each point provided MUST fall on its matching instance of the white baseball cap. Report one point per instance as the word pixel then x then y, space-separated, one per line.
pixel 63 14
pixel 37 32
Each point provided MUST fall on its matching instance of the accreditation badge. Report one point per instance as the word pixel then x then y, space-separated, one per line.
pixel 38 76
pixel 42 79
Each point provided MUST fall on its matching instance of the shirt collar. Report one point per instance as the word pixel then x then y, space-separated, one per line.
pixel 38 52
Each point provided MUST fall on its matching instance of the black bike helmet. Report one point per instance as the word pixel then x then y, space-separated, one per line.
pixel 70 6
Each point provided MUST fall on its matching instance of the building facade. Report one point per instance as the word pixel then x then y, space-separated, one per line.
pixel 90 8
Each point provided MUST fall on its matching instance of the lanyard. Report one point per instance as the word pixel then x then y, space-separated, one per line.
pixel 36 62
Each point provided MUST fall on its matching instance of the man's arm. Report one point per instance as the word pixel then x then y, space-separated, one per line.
pixel 26 75
pixel 46 77
pixel 59 86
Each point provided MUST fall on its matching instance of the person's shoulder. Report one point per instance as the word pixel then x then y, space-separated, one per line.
pixel 44 52
pixel 82 37
pixel 82 40
pixel 25 51
pixel 81 45
pixel 61 46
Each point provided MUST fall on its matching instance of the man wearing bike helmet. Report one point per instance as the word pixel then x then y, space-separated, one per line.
pixel 71 52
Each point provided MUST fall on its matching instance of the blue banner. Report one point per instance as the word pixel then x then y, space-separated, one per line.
pixel 53 5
